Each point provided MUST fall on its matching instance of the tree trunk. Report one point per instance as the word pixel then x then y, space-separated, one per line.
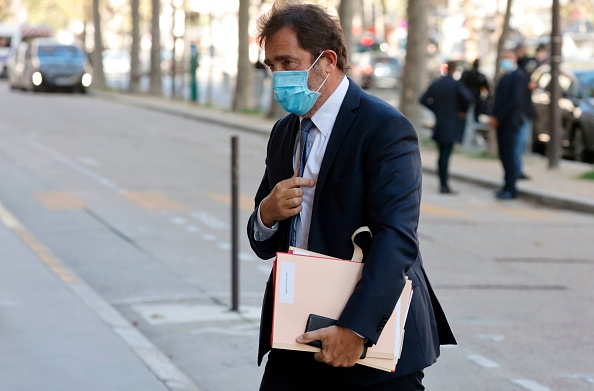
pixel 243 98
pixel 346 10
pixel 502 40
pixel 134 86
pixel 98 74
pixel 415 66
pixel 155 75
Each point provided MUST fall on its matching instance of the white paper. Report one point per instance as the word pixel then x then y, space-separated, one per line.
pixel 287 283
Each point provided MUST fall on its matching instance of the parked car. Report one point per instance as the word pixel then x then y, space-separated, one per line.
pixel 577 110
pixel 45 64
pixel 377 69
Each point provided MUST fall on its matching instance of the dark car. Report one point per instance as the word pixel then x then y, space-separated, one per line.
pixel 377 69
pixel 49 65
pixel 577 110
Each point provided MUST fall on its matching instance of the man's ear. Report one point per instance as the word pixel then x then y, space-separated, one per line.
pixel 331 60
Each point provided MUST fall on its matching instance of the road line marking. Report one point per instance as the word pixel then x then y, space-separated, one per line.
pixel 482 361
pixel 209 220
pixel 530 385
pixel 265 269
pixel 60 200
pixel 246 203
pixel 53 264
pixel 70 163
pixel 246 257
pixel 151 200
pixel 147 352
pixel 208 237
pixel 89 161
pixel 224 246
pixel 192 229
pixel 178 220
pixel 490 337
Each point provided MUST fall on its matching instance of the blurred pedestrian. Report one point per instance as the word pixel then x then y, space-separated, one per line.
pixel 478 85
pixel 449 100
pixel 542 56
pixel 528 65
pixel 507 117
pixel 341 159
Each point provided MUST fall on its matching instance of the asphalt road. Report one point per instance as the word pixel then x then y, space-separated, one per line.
pixel 137 204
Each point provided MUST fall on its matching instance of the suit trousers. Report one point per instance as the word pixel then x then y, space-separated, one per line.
pixel 507 137
pixel 298 371
pixel 445 151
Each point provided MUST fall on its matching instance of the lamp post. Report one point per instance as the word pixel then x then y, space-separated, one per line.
pixel 554 145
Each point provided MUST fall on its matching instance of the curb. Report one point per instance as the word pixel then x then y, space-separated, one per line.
pixel 157 363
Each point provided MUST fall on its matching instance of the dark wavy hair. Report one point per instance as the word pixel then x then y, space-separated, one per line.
pixel 316 29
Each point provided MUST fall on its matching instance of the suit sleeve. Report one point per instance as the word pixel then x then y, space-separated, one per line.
pixel 392 208
pixel 512 97
pixel 268 248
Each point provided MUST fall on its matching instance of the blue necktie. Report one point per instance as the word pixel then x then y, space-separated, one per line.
pixel 306 126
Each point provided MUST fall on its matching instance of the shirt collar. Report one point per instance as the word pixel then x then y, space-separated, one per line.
pixel 326 115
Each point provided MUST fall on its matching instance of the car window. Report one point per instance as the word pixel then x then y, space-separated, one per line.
pixel 586 80
pixel 58 51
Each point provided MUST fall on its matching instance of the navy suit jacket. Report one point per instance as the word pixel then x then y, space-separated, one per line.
pixel 447 98
pixel 510 94
pixel 370 176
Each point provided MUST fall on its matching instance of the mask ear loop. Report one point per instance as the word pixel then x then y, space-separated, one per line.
pixel 314 63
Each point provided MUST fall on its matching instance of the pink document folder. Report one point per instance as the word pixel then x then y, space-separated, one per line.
pixel 316 284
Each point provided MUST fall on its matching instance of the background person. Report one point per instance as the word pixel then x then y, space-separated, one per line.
pixel 362 168
pixel 507 117
pixel 449 100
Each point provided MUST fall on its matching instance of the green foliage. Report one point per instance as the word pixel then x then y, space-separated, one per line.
pixel 588 176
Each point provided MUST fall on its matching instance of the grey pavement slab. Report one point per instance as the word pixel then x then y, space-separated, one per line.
pixel 56 338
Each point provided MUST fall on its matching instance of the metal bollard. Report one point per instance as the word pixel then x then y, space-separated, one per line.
pixel 234 228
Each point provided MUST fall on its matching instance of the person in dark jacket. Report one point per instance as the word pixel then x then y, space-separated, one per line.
pixel 528 65
pixel 507 117
pixel 449 100
pixel 341 159
pixel 478 85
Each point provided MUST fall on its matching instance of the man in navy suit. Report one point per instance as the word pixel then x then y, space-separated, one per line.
pixel 449 100
pixel 507 117
pixel 362 168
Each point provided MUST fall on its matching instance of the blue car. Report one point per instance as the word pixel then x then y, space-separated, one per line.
pixel 49 65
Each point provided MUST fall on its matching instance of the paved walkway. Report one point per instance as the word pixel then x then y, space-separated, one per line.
pixel 57 334
pixel 560 188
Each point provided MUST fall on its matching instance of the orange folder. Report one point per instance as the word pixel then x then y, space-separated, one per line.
pixel 308 283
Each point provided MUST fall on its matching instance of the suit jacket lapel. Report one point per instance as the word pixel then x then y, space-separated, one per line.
pixel 341 127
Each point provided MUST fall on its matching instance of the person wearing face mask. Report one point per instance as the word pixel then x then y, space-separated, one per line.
pixel 341 159
pixel 507 118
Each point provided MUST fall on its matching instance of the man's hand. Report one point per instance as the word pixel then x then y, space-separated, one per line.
pixel 284 200
pixel 341 347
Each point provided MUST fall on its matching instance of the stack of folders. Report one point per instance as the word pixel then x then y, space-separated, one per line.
pixel 309 283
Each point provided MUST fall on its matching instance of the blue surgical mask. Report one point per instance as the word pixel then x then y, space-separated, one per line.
pixel 291 90
pixel 507 65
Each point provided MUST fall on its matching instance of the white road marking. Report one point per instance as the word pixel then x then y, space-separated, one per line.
pixel 208 237
pixel 72 164
pixel 210 220
pixel 482 361
pixel 585 377
pixel 530 385
pixel 246 257
pixel 178 220
pixel 224 246
pixel 243 330
pixel 264 268
pixel 490 337
pixel 192 229
pixel 159 314
pixel 89 161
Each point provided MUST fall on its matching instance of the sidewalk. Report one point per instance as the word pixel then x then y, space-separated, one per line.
pixel 57 334
pixel 559 188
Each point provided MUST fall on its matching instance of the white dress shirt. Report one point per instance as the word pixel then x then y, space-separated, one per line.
pixel 318 138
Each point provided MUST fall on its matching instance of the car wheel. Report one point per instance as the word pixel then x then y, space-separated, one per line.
pixel 578 145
